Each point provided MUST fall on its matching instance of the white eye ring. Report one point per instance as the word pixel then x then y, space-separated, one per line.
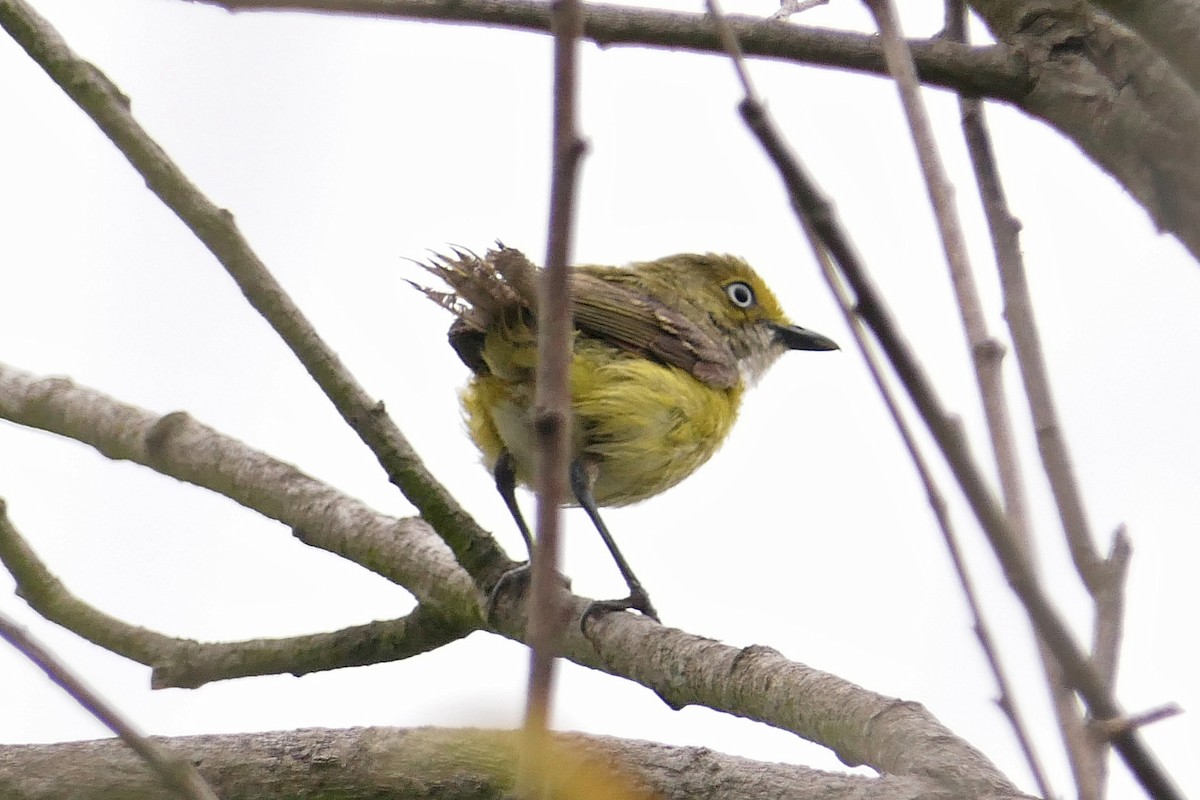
pixel 740 294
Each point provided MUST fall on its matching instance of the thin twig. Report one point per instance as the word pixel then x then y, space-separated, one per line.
pixel 987 354
pixel 1103 578
pixel 790 8
pixel 985 350
pixel 814 209
pixel 176 773
pixel 1095 571
pixel 547 613
pixel 1108 622
pixel 93 92
pixel 1109 727
pixel 187 663
pixel 937 502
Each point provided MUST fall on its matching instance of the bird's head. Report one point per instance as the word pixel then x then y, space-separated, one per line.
pixel 724 292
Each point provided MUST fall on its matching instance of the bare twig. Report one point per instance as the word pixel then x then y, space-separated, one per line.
pixel 813 209
pixel 1104 578
pixel 937 502
pixel 985 350
pixel 1109 596
pixel 175 773
pixel 187 663
pixel 93 92
pixel 1110 727
pixel 790 8
pixel 987 353
pixel 553 397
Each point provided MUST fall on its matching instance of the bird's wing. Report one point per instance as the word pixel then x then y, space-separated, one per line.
pixel 632 321
pixel 483 288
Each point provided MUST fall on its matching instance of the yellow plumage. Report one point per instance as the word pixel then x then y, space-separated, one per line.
pixel 644 426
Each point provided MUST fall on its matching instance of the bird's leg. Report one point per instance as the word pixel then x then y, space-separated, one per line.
pixel 638 600
pixel 505 474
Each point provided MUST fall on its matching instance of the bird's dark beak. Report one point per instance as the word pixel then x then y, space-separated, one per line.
pixel 794 337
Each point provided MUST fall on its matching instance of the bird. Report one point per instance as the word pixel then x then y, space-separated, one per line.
pixel 663 352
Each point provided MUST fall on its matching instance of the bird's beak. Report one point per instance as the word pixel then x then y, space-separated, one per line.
pixel 793 337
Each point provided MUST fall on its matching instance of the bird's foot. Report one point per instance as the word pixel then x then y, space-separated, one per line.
pixel 638 601
pixel 522 574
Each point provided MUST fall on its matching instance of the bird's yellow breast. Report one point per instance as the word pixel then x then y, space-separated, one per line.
pixel 641 425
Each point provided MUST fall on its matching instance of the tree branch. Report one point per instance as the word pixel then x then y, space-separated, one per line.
pixel 986 71
pixel 1114 96
pixel 941 513
pixel 1085 751
pixel 446 764
pixel 403 551
pixel 1092 80
pixel 187 663
pixel 1172 27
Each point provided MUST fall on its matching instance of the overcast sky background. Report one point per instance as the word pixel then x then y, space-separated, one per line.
pixel 345 146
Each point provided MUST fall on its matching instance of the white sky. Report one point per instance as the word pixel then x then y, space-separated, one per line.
pixel 344 146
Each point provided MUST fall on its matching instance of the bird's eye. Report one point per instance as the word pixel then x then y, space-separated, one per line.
pixel 740 294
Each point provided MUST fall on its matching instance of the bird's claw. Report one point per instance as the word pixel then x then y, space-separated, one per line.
pixel 638 601
pixel 522 573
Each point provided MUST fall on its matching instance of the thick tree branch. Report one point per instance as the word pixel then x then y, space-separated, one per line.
pixel 1114 96
pixel 403 551
pixel 437 763
pixel 1172 27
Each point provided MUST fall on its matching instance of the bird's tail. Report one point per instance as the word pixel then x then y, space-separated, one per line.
pixel 482 289
pixel 496 292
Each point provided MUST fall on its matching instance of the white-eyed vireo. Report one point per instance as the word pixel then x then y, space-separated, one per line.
pixel 663 351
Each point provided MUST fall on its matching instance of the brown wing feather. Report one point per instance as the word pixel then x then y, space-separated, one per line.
pixel 628 319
